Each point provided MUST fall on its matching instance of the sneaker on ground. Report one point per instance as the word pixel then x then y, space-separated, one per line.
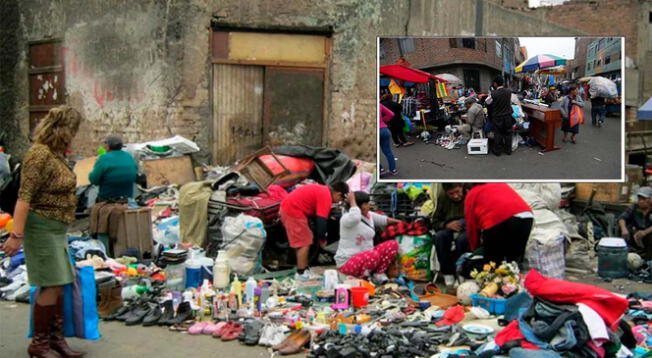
pixel 307 275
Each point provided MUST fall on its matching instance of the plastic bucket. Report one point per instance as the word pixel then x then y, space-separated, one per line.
pixel 193 274
pixel 612 258
pixel 359 297
pixel 206 268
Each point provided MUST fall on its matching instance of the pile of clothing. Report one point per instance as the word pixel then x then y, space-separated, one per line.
pixel 570 319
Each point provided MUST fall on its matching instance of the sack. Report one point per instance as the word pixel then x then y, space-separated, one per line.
pixel 414 256
pixel 243 237
pixel 80 318
pixel 488 128
pixel 548 259
pixel 576 116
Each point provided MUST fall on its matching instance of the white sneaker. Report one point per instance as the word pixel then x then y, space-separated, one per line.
pixel 307 275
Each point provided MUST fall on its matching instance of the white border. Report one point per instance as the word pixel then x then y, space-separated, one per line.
pixel 622 121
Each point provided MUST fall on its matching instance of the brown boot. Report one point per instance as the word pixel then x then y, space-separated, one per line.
pixel 57 341
pixel 102 305
pixel 110 300
pixel 42 317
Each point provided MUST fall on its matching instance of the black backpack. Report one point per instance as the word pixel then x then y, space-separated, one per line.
pixel 9 192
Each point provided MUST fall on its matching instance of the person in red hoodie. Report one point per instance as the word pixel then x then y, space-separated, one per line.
pixel 498 220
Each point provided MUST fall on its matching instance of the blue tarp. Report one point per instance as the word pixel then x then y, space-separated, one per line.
pixel 645 112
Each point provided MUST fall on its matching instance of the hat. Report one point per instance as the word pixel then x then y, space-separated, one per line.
pixel 114 142
pixel 645 192
pixel 452 315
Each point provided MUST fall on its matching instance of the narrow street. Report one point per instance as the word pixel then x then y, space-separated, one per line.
pixel 597 155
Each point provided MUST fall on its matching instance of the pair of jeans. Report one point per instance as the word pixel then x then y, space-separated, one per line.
pixel 600 111
pixel 386 148
pixel 446 255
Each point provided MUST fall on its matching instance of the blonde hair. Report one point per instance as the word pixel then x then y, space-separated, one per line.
pixel 58 128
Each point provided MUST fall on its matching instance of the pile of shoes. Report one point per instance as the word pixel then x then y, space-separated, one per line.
pixel 147 311
pixel 294 343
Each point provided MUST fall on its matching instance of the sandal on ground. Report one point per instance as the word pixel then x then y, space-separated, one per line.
pixel 407 144
pixel 222 328
pixel 197 328
pixel 233 333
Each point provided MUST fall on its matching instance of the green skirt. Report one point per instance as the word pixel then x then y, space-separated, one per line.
pixel 46 252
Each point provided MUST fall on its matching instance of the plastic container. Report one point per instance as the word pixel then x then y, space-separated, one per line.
pixel 359 297
pixel 206 268
pixel 612 258
pixel 330 279
pixel 495 306
pixel 193 274
pixel 250 286
pixel 221 275
pixel 176 277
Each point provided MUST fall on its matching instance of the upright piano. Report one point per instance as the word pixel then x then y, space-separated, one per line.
pixel 543 122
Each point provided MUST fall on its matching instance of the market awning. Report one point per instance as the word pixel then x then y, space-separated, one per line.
pixel 539 62
pixel 408 74
pixel 645 112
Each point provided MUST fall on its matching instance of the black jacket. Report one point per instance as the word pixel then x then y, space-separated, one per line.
pixel 397 120
pixel 501 102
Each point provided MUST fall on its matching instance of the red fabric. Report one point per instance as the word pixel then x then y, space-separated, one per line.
pixel 300 168
pixel 409 74
pixel 600 351
pixel 372 261
pixel 452 315
pixel 609 306
pixel 298 231
pixel 264 206
pixel 416 228
pixel 488 205
pixel 510 333
pixel 308 200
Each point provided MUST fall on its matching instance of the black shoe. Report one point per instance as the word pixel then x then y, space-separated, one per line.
pixel 136 316
pixel 122 310
pixel 168 314
pixel 184 313
pixel 153 316
pixel 127 313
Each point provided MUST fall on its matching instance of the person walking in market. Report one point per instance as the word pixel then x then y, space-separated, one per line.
pixel 448 221
pixel 501 117
pixel 384 118
pixel 396 124
pixel 571 119
pixel 45 207
pixel 498 220
pixel 598 110
pixel 312 200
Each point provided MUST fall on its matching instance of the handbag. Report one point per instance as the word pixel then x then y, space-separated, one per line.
pixel 80 317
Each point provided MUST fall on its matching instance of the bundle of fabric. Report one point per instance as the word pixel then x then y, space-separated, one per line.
pixel 416 228
pixel 568 318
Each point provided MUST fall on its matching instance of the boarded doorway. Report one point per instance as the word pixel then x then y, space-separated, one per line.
pixel 268 89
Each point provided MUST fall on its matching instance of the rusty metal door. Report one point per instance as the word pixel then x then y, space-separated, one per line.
pixel 237 111
pixel 46 79
pixel 294 106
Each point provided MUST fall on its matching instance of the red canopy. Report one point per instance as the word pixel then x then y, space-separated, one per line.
pixel 408 74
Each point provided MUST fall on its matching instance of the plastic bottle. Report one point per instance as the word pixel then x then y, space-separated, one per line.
pixel 250 286
pixel 133 291
pixel 264 294
pixel 236 289
pixel 310 315
pixel 220 274
pixel 257 302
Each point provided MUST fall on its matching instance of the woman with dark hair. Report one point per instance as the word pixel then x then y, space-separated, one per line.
pixel 356 255
pixel 385 139
pixel 396 124
pixel 568 124
pixel 46 206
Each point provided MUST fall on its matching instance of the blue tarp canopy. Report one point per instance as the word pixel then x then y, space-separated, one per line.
pixel 645 112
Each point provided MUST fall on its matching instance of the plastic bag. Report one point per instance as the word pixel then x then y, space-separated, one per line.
pixel 602 87
pixel 414 256
pixel 576 116
pixel 408 127
pixel 243 237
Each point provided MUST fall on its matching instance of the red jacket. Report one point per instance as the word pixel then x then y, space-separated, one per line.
pixel 488 205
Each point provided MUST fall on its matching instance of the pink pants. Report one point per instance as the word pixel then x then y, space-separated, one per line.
pixel 372 261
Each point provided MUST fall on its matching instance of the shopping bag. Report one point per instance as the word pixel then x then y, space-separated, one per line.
pixel 576 116
pixel 80 317
pixel 408 127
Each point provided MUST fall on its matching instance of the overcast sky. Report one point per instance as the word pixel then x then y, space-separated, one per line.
pixel 558 46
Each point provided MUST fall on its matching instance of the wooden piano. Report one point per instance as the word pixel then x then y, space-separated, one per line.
pixel 543 122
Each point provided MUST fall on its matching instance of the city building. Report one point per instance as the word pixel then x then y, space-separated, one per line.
pixel 603 58
pixel 476 61
pixel 578 70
